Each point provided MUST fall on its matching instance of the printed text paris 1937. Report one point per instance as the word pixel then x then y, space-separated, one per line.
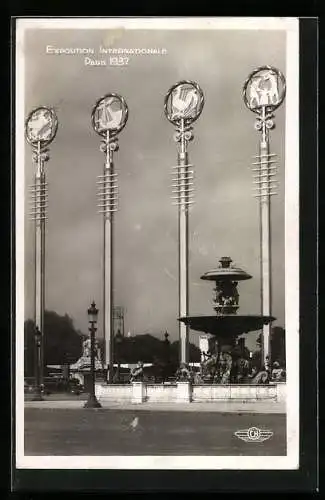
pixel 117 56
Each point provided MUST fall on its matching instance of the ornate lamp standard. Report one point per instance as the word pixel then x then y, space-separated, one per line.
pixel 40 129
pixel 263 92
pixel 109 117
pixel 183 105
pixel 167 360
pixel 92 401
pixel 38 344
pixel 118 342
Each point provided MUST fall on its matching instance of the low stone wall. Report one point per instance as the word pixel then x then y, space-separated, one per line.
pixel 114 392
pixel 237 392
pixel 139 392
pixel 160 392
pixel 281 391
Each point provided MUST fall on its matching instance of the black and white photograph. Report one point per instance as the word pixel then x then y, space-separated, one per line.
pixel 157 243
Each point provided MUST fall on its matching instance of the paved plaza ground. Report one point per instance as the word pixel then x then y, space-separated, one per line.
pixel 126 431
pixel 58 396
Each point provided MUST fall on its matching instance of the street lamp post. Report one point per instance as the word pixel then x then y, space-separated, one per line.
pixel 167 355
pixel 92 401
pixel 183 105
pixel 38 345
pixel 118 341
pixel 167 346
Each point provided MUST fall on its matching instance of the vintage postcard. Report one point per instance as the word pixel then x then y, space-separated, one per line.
pixel 157 243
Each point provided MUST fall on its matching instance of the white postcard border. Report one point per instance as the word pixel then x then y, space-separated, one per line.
pixel 291 460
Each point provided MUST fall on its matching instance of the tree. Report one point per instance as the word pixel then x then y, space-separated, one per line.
pixel 149 349
pixel 138 348
pixel 62 342
pixel 277 345
pixel 194 352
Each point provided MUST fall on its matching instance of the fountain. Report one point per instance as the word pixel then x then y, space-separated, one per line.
pixel 81 368
pixel 225 362
pixel 225 373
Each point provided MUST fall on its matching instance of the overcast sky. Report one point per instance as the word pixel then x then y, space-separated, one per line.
pixel 224 218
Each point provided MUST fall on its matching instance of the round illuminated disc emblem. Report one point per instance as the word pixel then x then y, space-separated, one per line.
pixel 41 126
pixel 110 114
pixel 265 87
pixel 184 101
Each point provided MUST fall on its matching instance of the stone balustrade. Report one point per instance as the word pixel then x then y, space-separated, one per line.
pixel 184 392
pixel 114 392
pixel 161 392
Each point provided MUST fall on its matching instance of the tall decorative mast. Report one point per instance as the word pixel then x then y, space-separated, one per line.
pixel 109 117
pixel 183 105
pixel 40 129
pixel 263 92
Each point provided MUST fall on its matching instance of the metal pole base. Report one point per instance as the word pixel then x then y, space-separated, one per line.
pixel 92 402
pixel 109 377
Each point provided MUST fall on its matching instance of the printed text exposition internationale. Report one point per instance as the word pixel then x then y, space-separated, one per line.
pixel 50 49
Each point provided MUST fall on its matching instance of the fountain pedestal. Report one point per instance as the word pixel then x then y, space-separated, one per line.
pixel 138 392
pixel 184 392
